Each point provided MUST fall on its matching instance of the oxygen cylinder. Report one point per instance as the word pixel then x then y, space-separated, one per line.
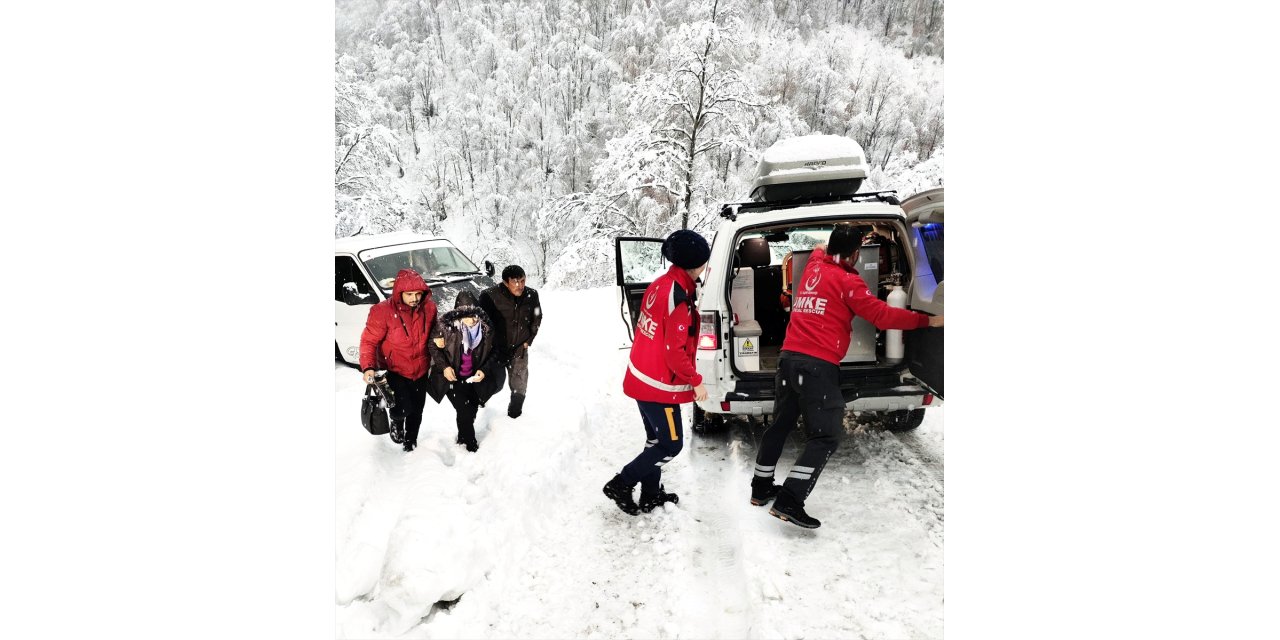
pixel 893 348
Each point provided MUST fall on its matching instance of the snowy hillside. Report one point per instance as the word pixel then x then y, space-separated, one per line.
pixel 517 540
pixel 533 132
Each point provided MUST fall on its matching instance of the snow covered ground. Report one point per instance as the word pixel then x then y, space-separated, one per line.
pixel 517 540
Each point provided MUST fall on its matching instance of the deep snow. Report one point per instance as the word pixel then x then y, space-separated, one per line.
pixel 517 540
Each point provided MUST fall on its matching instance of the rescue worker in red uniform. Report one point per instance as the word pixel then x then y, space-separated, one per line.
pixel 661 374
pixel 827 297
pixel 395 338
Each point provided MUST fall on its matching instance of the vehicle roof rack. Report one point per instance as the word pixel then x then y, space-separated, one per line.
pixel 732 209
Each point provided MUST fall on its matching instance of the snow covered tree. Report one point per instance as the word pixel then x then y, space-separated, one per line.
pixel 364 148
pixel 698 104
pixel 528 131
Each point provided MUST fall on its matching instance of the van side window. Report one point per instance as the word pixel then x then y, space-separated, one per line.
pixel 345 270
pixel 932 234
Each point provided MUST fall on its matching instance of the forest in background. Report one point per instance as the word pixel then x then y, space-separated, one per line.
pixel 534 132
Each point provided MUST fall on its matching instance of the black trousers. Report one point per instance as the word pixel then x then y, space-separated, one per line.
pixel 411 395
pixel 808 385
pixel 518 370
pixel 665 439
pixel 466 403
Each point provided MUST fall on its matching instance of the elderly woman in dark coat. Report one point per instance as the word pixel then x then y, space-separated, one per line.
pixel 465 365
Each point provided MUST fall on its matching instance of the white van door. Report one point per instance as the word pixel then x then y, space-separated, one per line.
pixel 925 346
pixel 353 297
pixel 638 262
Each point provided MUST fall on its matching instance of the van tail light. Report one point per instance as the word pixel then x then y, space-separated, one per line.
pixel 709 330
pixel 724 406
pixel 928 397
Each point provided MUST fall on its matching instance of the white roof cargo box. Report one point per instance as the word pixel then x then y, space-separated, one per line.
pixel 809 166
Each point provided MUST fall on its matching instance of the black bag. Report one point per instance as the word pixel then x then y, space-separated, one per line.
pixel 372 414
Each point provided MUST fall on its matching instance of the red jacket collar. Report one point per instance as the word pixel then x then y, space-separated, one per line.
pixel 682 278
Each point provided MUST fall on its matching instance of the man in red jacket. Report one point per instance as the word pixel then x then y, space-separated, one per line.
pixel 827 297
pixel 661 374
pixel 395 338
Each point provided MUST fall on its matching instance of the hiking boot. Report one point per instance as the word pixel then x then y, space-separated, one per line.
pixel 410 446
pixel 790 511
pixel 517 405
pixel 763 490
pixel 471 445
pixel 397 430
pixel 619 492
pixel 650 502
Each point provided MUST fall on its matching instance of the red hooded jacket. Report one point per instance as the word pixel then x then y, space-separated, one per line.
pixel 826 298
pixel 395 335
pixel 666 340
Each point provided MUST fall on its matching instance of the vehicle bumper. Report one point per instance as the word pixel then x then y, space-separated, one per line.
pixel 746 402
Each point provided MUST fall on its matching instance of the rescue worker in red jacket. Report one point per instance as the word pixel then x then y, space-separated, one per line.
pixel 395 338
pixel 661 374
pixel 827 297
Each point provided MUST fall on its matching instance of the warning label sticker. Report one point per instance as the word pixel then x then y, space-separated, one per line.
pixel 747 348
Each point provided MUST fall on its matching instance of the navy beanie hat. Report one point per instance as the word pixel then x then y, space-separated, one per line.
pixel 686 249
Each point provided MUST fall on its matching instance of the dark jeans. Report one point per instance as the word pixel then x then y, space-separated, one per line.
pixel 808 385
pixel 465 401
pixel 665 433
pixel 518 370
pixel 411 395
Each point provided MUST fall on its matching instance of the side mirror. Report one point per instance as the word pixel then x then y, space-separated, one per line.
pixel 351 294
pixel 488 268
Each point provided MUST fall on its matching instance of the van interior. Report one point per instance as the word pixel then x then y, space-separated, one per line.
pixel 767 266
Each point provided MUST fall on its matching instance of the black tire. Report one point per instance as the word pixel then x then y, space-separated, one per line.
pixel 902 421
pixel 337 351
pixel 704 422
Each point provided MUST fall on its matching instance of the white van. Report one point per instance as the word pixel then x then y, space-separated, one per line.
pixel 803 186
pixel 365 268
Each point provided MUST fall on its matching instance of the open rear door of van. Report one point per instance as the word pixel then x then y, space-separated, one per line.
pixel 638 262
pixel 924 346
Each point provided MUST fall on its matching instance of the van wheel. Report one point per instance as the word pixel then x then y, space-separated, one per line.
pixel 337 351
pixel 900 421
pixel 704 422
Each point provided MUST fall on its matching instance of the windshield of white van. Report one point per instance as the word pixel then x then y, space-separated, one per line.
pixel 436 263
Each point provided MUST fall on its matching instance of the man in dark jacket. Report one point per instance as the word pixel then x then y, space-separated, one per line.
pixel 395 338
pixel 516 315
pixel 827 297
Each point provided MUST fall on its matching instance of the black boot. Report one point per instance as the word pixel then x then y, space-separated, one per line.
pixel 517 405
pixel 410 433
pixel 788 509
pixel 469 443
pixel 397 430
pixel 763 490
pixel 649 502
pixel 619 492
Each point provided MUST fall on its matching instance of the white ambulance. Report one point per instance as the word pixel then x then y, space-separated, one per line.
pixel 804 186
